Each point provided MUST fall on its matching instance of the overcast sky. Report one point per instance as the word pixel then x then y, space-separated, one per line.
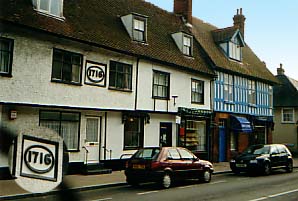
pixel 271 27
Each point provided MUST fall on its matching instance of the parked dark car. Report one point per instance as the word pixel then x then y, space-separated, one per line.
pixel 263 159
pixel 165 165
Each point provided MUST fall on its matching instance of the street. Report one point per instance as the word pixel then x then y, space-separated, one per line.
pixel 225 187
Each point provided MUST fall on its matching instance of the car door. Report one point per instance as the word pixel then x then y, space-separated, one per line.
pixel 283 155
pixel 188 166
pixel 175 163
pixel 274 156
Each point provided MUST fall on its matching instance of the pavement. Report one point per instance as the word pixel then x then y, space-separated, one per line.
pixel 9 190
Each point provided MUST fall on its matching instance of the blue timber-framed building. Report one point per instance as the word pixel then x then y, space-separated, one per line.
pixel 242 91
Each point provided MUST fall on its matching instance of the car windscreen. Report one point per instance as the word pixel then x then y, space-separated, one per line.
pixel 257 150
pixel 150 153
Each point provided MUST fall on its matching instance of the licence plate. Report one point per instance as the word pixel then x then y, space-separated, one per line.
pixel 138 166
pixel 240 165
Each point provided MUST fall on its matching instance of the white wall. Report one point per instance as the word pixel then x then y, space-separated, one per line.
pixel 31 78
pixel 180 85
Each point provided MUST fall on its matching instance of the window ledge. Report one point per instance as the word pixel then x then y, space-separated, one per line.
pixel 229 102
pixel 61 18
pixel 160 98
pixel 197 103
pixel 288 122
pixel 120 89
pixel 5 75
pixel 252 105
pixel 64 82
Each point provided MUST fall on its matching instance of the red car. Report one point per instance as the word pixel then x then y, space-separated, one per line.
pixel 165 165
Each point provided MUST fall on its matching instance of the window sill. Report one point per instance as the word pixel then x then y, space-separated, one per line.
pixel 5 74
pixel 131 148
pixel 64 82
pixel 252 105
pixel 160 98
pixel 288 122
pixel 229 102
pixel 197 103
pixel 61 18
pixel 73 150
pixel 119 89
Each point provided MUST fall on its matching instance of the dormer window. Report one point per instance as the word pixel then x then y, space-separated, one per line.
pixel 231 42
pixel 187 45
pixel 184 42
pixel 49 7
pixel 235 49
pixel 139 29
pixel 136 26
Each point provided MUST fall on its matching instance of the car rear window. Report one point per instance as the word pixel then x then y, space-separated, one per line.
pixel 147 153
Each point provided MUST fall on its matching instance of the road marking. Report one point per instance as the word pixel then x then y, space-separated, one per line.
pixel 284 193
pixel 182 187
pixel 103 199
pixel 218 182
pixel 275 195
pixel 148 192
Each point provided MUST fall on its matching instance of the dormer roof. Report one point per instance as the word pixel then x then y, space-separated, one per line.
pixel 227 34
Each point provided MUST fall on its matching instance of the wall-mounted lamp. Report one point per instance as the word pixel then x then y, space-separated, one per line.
pixel 174 97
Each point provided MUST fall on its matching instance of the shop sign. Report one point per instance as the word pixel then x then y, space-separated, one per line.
pixel 95 74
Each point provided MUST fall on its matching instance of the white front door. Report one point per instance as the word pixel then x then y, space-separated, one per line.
pixel 92 144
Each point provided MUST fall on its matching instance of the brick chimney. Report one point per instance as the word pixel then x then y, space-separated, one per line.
pixel 184 8
pixel 239 21
pixel 280 70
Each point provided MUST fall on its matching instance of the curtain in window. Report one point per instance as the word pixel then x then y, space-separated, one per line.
pixel 69 132
pixel 92 130
pixel 4 56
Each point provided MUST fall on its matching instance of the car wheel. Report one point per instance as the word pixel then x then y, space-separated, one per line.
pixel 267 168
pixel 206 176
pixel 289 167
pixel 166 180
pixel 131 182
pixel 235 171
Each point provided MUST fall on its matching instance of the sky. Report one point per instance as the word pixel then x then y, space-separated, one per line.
pixel 271 27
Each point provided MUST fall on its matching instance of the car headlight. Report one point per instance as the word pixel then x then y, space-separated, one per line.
pixel 232 161
pixel 253 161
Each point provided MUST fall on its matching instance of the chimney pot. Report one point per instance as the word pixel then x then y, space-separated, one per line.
pixel 239 21
pixel 184 8
pixel 280 70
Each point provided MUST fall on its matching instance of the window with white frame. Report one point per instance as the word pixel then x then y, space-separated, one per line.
pixel 197 91
pixel 51 7
pixel 187 45
pixel 139 29
pixel 252 96
pixel 6 55
pixel 66 124
pixel 228 88
pixel 235 49
pixel 288 115
pixel 161 85
pixel 270 96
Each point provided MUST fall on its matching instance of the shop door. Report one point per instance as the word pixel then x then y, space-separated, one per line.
pixel 222 144
pixel 165 135
pixel 92 143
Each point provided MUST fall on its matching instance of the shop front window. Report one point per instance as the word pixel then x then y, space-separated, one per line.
pixel 193 135
pixel 133 133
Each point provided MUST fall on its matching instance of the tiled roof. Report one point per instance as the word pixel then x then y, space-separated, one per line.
pixel 98 22
pixel 285 94
pixel 225 34
pixel 250 66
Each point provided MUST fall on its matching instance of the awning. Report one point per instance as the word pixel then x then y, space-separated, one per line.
pixel 240 124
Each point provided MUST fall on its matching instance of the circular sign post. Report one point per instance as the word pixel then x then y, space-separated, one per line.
pixel 37 159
